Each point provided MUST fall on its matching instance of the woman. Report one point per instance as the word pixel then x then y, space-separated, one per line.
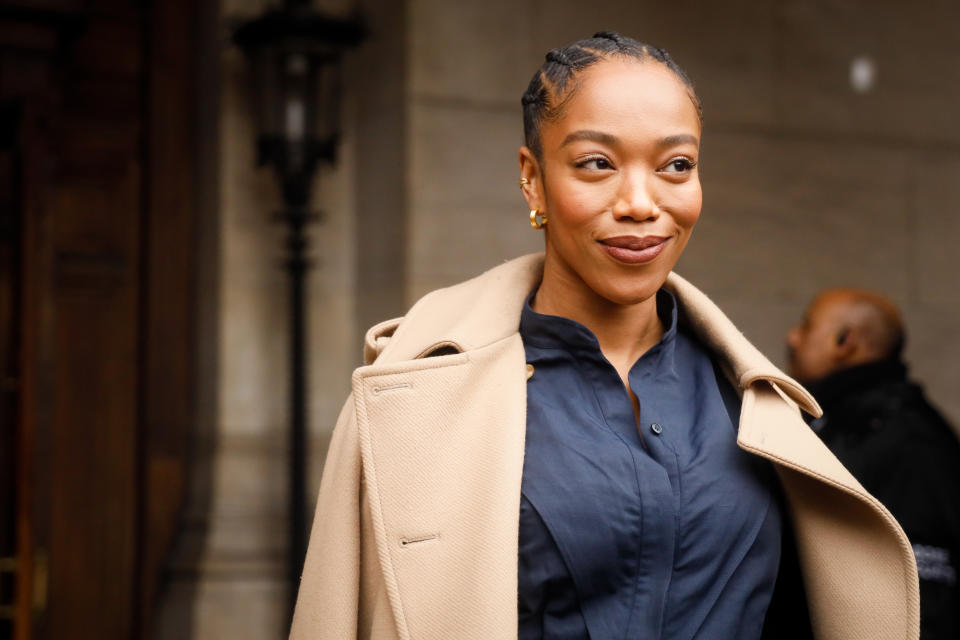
pixel 597 395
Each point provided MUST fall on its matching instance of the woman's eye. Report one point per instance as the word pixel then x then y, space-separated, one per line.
pixel 679 165
pixel 595 164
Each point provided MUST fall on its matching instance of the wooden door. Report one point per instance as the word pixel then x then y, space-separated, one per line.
pixel 97 327
pixel 9 357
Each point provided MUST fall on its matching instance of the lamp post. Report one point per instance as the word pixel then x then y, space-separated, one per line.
pixel 295 54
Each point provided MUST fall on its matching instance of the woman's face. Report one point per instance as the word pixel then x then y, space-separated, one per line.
pixel 619 181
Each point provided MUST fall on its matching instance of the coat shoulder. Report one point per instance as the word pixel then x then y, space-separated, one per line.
pixel 465 316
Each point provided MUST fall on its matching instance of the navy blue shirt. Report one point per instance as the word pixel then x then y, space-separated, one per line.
pixel 657 529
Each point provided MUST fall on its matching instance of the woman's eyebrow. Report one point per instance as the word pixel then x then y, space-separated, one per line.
pixel 683 138
pixel 611 140
pixel 586 134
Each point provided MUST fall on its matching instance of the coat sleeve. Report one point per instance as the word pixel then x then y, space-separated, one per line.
pixel 328 600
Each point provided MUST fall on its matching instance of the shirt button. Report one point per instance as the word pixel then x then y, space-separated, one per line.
pixel 656 428
pixel 529 371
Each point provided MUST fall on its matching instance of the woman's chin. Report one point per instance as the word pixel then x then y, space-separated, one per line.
pixel 633 285
pixel 629 294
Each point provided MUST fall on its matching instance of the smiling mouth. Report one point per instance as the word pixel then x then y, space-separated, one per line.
pixel 634 249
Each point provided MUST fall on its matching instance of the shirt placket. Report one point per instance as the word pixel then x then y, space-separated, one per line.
pixel 655 492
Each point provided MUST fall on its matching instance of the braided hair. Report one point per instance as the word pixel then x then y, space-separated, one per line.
pixel 551 86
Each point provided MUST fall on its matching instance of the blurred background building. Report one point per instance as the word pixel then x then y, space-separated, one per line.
pixel 143 321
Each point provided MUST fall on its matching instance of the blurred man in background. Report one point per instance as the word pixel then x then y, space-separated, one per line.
pixel 847 351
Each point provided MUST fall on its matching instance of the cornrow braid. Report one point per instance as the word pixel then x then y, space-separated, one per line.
pixel 558 56
pixel 614 37
pixel 548 91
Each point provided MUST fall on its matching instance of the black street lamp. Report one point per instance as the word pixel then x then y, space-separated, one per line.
pixel 295 54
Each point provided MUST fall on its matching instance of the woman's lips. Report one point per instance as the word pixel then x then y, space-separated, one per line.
pixel 634 249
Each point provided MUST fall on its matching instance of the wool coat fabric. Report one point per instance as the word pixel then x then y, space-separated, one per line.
pixel 415 533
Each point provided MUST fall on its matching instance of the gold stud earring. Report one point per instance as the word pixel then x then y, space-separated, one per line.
pixel 523 181
pixel 537 220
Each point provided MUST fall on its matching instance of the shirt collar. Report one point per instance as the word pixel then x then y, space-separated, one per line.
pixel 557 332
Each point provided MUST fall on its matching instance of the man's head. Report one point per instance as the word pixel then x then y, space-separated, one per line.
pixel 844 328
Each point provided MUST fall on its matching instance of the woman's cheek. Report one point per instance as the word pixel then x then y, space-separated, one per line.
pixel 580 209
pixel 690 205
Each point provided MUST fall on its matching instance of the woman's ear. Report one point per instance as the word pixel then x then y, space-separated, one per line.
pixel 531 180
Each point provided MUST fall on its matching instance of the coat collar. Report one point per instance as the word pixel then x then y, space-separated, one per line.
pixel 487 308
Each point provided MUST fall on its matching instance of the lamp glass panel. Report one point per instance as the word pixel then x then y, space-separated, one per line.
pixel 298 117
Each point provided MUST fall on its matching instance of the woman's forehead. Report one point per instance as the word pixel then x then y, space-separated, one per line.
pixel 627 95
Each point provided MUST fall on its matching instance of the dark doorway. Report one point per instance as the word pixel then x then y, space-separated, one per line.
pixel 96 309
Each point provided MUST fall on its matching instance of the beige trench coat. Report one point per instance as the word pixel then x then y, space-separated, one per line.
pixel 415 535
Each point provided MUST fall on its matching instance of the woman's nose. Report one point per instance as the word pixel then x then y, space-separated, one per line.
pixel 635 200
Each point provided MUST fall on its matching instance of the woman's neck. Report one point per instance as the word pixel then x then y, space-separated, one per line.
pixel 625 332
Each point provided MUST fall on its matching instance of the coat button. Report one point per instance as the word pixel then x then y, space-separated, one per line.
pixel 656 428
pixel 529 371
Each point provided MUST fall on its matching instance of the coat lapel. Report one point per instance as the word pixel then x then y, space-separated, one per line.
pixel 442 442
pixel 858 567
pixel 848 543
pixel 442 465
